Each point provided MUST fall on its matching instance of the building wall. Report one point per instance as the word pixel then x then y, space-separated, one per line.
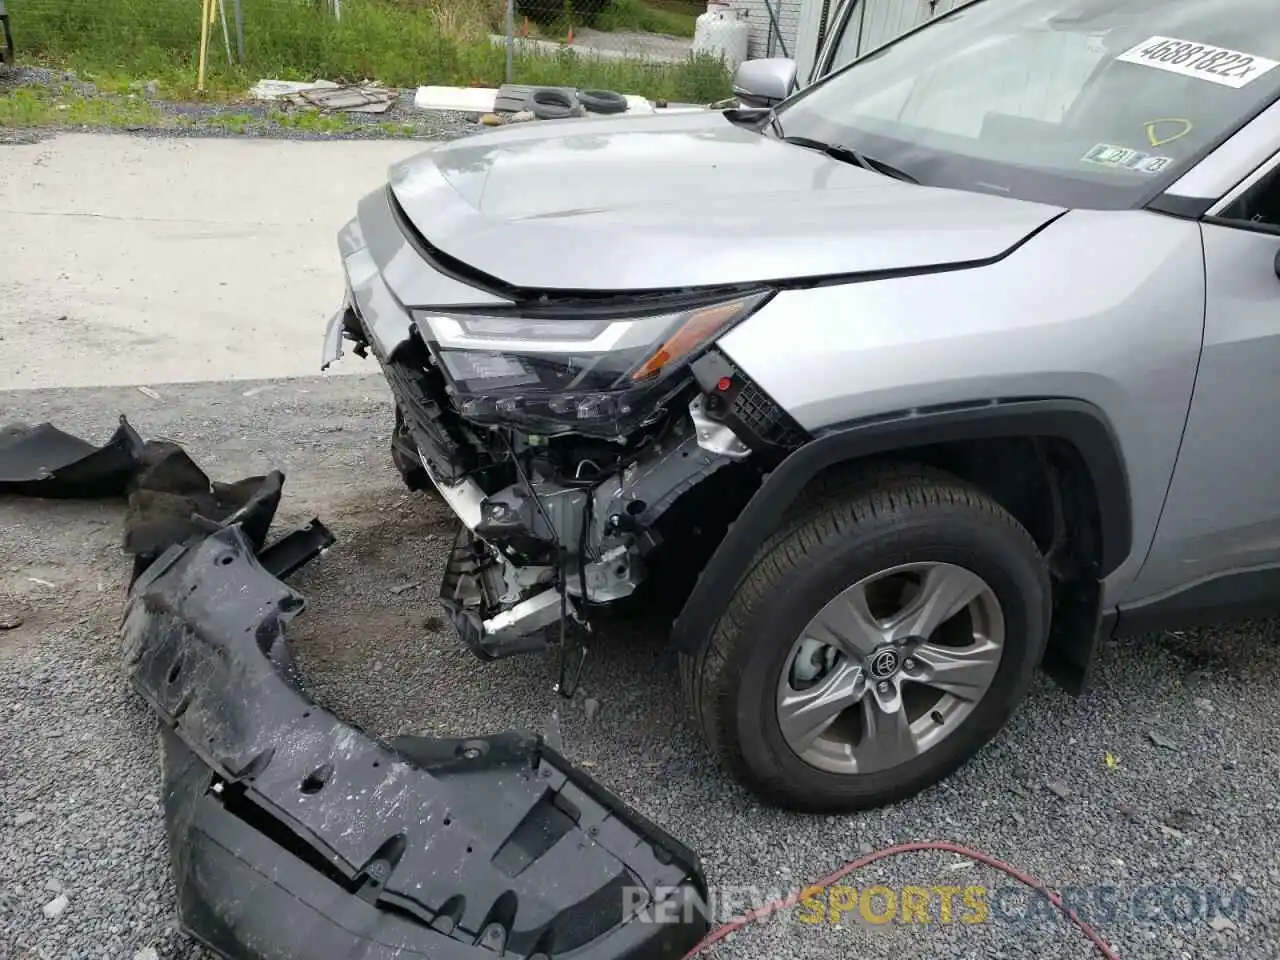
pixel 787 13
pixel 883 20
pixel 879 21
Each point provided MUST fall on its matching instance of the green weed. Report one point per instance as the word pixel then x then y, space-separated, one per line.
pixel 39 107
pixel 676 20
pixel 404 43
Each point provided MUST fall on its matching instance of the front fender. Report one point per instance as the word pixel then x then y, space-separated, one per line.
pixel 1104 306
pixel 1081 424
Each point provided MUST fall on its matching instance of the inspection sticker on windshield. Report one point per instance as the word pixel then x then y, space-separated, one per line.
pixel 1230 68
pixel 1109 155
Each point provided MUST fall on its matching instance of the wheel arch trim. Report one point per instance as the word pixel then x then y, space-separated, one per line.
pixel 1078 422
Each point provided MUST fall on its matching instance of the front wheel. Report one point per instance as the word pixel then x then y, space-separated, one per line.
pixel 882 637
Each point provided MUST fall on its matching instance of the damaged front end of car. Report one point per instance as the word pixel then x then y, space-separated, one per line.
pixel 584 441
pixel 293 834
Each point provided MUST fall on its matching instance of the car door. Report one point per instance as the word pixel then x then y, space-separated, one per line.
pixel 1217 545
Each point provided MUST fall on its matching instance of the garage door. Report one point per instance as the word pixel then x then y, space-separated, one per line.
pixel 885 20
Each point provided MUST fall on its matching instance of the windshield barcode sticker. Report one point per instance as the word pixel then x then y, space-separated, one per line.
pixel 1110 155
pixel 1230 68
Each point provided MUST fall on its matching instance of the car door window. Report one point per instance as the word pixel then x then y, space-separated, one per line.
pixel 1258 208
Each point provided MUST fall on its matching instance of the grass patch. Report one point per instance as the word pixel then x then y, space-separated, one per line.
pixel 674 20
pixel 40 107
pixel 235 124
pixel 403 43
pixel 45 107
pixel 310 121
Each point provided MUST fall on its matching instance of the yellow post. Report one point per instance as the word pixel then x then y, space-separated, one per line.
pixel 205 8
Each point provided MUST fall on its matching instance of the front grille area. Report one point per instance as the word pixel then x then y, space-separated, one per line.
pixel 736 400
pixel 418 388
pixel 757 412
pixel 449 455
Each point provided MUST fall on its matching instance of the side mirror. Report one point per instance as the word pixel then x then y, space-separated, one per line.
pixel 762 83
pixel 1278 264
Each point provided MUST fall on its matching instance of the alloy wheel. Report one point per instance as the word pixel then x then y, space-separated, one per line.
pixel 890 667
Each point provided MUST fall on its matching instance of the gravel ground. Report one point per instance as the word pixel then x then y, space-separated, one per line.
pixel 1188 801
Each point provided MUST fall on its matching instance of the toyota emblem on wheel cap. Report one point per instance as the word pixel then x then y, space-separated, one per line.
pixel 884 664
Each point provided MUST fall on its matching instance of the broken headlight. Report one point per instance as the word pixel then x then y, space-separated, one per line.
pixel 595 373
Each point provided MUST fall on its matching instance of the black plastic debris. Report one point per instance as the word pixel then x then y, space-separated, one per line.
pixel 170 499
pixel 296 549
pixel 173 500
pixel 42 461
pixel 292 834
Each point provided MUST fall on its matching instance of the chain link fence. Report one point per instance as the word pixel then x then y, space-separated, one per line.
pixel 656 31
pixel 644 47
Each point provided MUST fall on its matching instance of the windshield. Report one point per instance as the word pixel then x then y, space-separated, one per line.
pixel 1082 103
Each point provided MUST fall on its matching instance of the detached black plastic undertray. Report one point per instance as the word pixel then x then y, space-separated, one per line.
pixel 294 834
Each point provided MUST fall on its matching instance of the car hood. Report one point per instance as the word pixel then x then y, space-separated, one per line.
pixel 689 199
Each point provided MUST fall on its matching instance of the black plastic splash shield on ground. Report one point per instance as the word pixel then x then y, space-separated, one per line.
pixel 43 461
pixel 293 834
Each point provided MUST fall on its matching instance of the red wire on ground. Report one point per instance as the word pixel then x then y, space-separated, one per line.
pixel 894 851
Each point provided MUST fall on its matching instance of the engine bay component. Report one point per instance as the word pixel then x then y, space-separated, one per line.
pixel 561 434
pixel 496 617
pixel 545 549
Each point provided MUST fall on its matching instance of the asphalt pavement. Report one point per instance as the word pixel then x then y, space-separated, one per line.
pixel 1151 800
pixel 127 260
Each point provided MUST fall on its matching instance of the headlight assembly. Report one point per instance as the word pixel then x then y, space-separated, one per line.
pixel 577 371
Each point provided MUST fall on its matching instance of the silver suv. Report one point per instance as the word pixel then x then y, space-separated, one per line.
pixel 947 366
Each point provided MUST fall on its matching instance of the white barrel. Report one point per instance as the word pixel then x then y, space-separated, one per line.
pixel 721 33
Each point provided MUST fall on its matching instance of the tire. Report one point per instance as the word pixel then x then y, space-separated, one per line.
pixel 554 105
pixel 602 101
pixel 846 532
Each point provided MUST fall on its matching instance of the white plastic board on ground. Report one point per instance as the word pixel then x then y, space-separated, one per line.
pixel 465 99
